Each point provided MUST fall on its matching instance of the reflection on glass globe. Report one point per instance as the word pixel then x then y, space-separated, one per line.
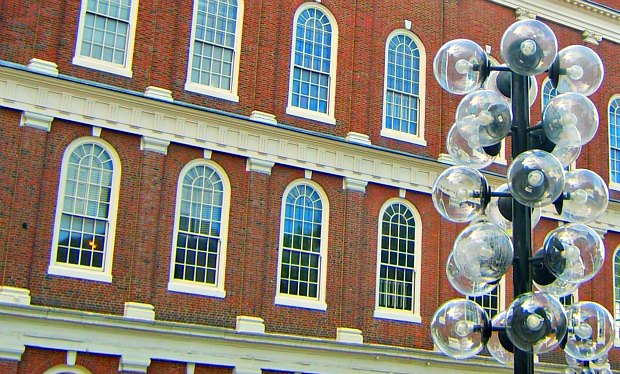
pixel 501 82
pixel 499 211
pixel 558 288
pixel 459 328
pixel 456 193
pixel 460 66
pixel 529 47
pixel 590 331
pixel 536 178
pixel 483 118
pixel 581 70
pixel 483 252
pixel 588 196
pixel 465 285
pixel 498 343
pixel 464 154
pixel 574 252
pixel 535 322
pixel 567 111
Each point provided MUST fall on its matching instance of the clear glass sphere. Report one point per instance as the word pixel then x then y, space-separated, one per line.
pixel 535 322
pixel 567 111
pixel 582 70
pixel 495 346
pixel 458 328
pixel 454 193
pixel 465 154
pixel 501 82
pixel 590 332
pixel 558 288
pixel 588 196
pixel 483 118
pixel 455 63
pixel 536 178
pixel 567 145
pixel 463 284
pixel 499 211
pixel 574 252
pixel 529 47
pixel 483 252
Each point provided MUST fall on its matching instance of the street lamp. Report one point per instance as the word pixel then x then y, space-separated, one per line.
pixel 496 105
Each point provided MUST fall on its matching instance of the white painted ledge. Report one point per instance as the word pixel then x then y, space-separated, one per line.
pixel 158 93
pixel 250 324
pixel 263 117
pixel 356 137
pixel 43 67
pixel 140 311
pixel 14 295
pixel 36 121
pixel 348 335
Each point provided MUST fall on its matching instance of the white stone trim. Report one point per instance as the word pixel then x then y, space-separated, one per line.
pixel 96 131
pixel 522 13
pixel 71 358
pixel 353 184
pixel 263 117
pixel 36 121
pixel 250 324
pixel 43 67
pixel 14 295
pixel 140 311
pixel 259 166
pixel 138 363
pixel 356 137
pixel 158 93
pixel 148 143
pixel 591 37
pixel 348 335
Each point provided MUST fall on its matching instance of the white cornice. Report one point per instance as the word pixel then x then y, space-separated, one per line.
pixel 577 14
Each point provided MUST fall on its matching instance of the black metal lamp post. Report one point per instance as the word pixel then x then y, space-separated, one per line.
pixel 535 322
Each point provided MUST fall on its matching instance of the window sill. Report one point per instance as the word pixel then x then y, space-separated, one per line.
pixel 614 186
pixel 397 315
pixel 398 135
pixel 196 289
pixel 102 66
pixel 308 114
pixel 300 302
pixel 211 91
pixel 75 272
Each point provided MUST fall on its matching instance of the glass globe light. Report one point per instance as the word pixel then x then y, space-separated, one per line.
pixel 499 346
pixel 529 47
pixel 577 69
pixel 460 328
pixel 558 288
pixel 463 284
pixel 499 211
pixel 501 82
pixel 484 118
pixel 460 66
pixel 588 196
pixel 605 371
pixel 568 145
pixel 465 154
pixel 590 332
pixel 457 193
pixel 535 322
pixel 483 252
pixel 536 178
pixel 574 252
pixel 570 110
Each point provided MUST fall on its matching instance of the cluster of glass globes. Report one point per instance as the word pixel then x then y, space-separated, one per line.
pixel 483 252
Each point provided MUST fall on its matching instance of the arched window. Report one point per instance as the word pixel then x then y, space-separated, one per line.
pixel 214 48
pixel 66 369
pixel 398 262
pixel 617 293
pixel 200 231
pixel 403 109
pixel 548 93
pixel 313 64
pixel 614 142
pixel 85 222
pixel 303 246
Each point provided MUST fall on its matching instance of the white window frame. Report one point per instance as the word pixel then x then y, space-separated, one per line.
pixel 191 287
pixel 203 89
pixel 501 297
pixel 328 117
pixel 612 185
pixel 418 139
pixel 67 369
pixel 109 67
pixel 78 271
pixel 545 83
pixel 318 303
pixel 616 288
pixel 389 313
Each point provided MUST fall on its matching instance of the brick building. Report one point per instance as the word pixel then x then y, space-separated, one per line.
pixel 207 186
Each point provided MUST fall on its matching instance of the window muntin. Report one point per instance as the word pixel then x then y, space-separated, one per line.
pixel 614 143
pixel 302 247
pixel 200 230
pixel 548 93
pixel 311 92
pixel 403 108
pixel 106 35
pixel 214 48
pixel 492 301
pixel 398 278
pixel 87 203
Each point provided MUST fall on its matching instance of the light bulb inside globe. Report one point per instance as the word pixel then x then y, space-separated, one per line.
pixel 577 68
pixel 536 178
pixel 460 193
pixel 483 118
pixel 529 47
pixel 590 331
pixel 460 66
pixel 588 196
pixel 567 111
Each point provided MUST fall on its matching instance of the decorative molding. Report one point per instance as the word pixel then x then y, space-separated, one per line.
pixel 356 137
pixel 158 93
pixel 134 363
pixel 353 184
pixel 145 312
pixel 402 193
pixel 14 295
pixel 445 158
pixel 71 358
pixel 408 24
pixel 259 166
pixel 157 145
pixel 263 117
pixel 10 347
pixel 591 37
pixel 36 121
pixel 96 131
pixel 308 174
pixel 522 14
pixel 206 154
pixel 347 335
pixel 43 67
pixel 190 368
pixel 250 324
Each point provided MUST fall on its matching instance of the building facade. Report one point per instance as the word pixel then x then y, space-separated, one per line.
pixel 243 186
